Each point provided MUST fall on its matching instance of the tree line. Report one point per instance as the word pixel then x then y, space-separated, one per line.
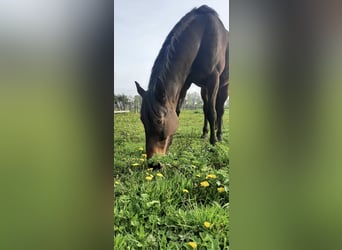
pixel 122 102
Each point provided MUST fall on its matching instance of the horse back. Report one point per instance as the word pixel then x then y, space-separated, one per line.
pixel 213 53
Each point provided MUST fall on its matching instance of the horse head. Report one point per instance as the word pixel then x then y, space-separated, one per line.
pixel 160 121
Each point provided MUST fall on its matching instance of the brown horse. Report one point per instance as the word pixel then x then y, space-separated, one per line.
pixel 195 51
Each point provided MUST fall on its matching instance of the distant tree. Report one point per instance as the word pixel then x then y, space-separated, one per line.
pixel 124 102
pixel 193 100
pixel 117 104
pixel 137 103
pixel 130 103
pixel 121 102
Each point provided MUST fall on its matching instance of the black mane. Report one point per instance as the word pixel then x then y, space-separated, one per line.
pixel 162 62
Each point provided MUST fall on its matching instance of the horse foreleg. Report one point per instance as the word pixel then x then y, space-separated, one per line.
pixel 221 99
pixel 213 84
pixel 179 104
pixel 205 111
pixel 182 96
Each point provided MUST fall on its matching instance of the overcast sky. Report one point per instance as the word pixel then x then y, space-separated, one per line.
pixel 140 28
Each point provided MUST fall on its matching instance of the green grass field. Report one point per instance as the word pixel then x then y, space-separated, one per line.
pixel 185 205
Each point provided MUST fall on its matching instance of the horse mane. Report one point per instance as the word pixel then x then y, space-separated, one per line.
pixel 162 63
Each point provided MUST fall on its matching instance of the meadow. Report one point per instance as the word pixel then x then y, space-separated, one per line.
pixel 184 205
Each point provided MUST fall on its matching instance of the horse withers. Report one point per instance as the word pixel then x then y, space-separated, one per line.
pixel 195 51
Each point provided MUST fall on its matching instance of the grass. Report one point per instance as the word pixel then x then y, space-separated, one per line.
pixel 185 205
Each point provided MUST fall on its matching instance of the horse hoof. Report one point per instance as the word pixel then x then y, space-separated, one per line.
pixel 213 142
pixel 204 136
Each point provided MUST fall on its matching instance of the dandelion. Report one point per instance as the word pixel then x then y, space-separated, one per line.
pixel 198 175
pixel 192 244
pixel 207 224
pixel 149 177
pixel 185 191
pixel 135 164
pixel 116 182
pixel 141 149
pixel 160 175
pixel 220 189
pixel 143 155
pixel 211 176
pixel 204 184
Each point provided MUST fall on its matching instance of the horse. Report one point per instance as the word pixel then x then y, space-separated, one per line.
pixel 195 51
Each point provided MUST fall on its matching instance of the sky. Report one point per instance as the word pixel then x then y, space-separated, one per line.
pixel 140 28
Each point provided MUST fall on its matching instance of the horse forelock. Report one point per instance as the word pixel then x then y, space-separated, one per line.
pixel 152 108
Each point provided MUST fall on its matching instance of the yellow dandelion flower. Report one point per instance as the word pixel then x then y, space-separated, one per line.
pixel 149 177
pixel 192 244
pixel 135 164
pixel 198 175
pixel 143 155
pixel 159 174
pixel 204 184
pixel 207 224
pixel 185 191
pixel 211 176
pixel 220 189
pixel 141 148
pixel 116 182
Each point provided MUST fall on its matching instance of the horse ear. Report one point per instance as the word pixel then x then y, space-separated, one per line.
pixel 140 90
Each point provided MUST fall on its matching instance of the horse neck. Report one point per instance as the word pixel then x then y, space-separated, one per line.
pixel 175 77
pixel 173 89
pixel 178 62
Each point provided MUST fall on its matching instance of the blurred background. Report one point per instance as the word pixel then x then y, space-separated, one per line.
pixel 285 113
pixel 56 67
pixel 56 107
